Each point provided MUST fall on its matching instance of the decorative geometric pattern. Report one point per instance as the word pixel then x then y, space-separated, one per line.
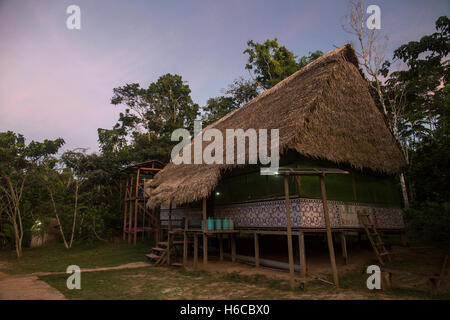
pixel 305 213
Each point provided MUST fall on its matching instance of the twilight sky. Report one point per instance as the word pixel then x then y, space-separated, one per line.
pixel 56 82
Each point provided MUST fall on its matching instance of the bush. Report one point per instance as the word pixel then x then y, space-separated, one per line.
pixel 429 221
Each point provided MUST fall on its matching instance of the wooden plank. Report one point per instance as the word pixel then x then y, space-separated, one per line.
pixel 301 243
pixel 289 233
pixel 195 250
pixel 233 248
pixel 344 247
pixel 221 247
pixel 136 206
pixel 329 235
pixel 256 236
pixel 205 237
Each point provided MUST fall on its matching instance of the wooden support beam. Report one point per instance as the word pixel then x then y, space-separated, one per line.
pixel 136 208
pixel 205 237
pixel 221 247
pixel 195 250
pixel 125 207
pixel 289 233
pixel 256 236
pixel 185 240
pixel 130 220
pixel 329 235
pixel 233 247
pixel 344 247
pixel 169 235
pixel 301 245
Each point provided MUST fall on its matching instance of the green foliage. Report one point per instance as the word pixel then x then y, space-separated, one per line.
pixel 305 60
pixel 429 221
pixel 270 62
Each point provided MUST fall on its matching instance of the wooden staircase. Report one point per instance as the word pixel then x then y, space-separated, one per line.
pixel 159 254
pixel 374 236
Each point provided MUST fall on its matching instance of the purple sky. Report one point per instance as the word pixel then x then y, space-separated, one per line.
pixel 56 82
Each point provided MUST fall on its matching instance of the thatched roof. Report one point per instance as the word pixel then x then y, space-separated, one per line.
pixel 322 111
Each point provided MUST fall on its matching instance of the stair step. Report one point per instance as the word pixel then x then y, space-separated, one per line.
pixel 152 256
pixel 176 264
pixel 175 243
pixel 159 249
pixel 384 253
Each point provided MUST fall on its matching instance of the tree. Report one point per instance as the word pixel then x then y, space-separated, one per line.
pixel 217 108
pixel 154 112
pixel 269 62
pixel 305 60
pixel 18 161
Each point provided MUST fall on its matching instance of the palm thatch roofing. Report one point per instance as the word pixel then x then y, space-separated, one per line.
pixel 322 111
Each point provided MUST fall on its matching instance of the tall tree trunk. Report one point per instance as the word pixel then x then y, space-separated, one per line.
pixel 57 218
pixel 404 191
pixel 74 214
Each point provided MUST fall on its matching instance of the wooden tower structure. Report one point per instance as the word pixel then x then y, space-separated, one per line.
pixel 136 218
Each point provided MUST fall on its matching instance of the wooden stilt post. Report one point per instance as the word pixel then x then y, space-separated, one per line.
pixel 125 207
pixel 221 247
pixel 185 240
pixel 130 203
pixel 195 250
pixel 256 236
pixel 205 238
pixel 136 208
pixel 289 233
pixel 233 248
pixel 169 235
pixel 329 235
pixel 301 244
pixel 344 247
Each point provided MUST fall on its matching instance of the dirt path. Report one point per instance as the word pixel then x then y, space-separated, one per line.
pixel 26 287
pixel 29 287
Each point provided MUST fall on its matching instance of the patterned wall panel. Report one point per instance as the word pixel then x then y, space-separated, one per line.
pixel 305 213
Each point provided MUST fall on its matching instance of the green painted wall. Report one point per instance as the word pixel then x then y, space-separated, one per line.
pixel 246 184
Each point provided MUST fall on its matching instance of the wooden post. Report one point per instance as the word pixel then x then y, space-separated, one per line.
pixel 185 239
pixel 169 235
pixel 205 238
pixel 344 247
pixel 256 250
pixel 125 207
pixel 221 247
pixel 233 247
pixel 195 250
pixel 130 220
pixel 289 232
pixel 301 245
pixel 328 226
pixel 136 208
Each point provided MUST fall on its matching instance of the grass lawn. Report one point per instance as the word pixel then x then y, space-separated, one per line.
pixel 56 258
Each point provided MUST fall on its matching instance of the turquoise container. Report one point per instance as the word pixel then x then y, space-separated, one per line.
pixel 226 224
pixel 210 224
pixel 218 224
pixel 231 225
pixel 202 224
